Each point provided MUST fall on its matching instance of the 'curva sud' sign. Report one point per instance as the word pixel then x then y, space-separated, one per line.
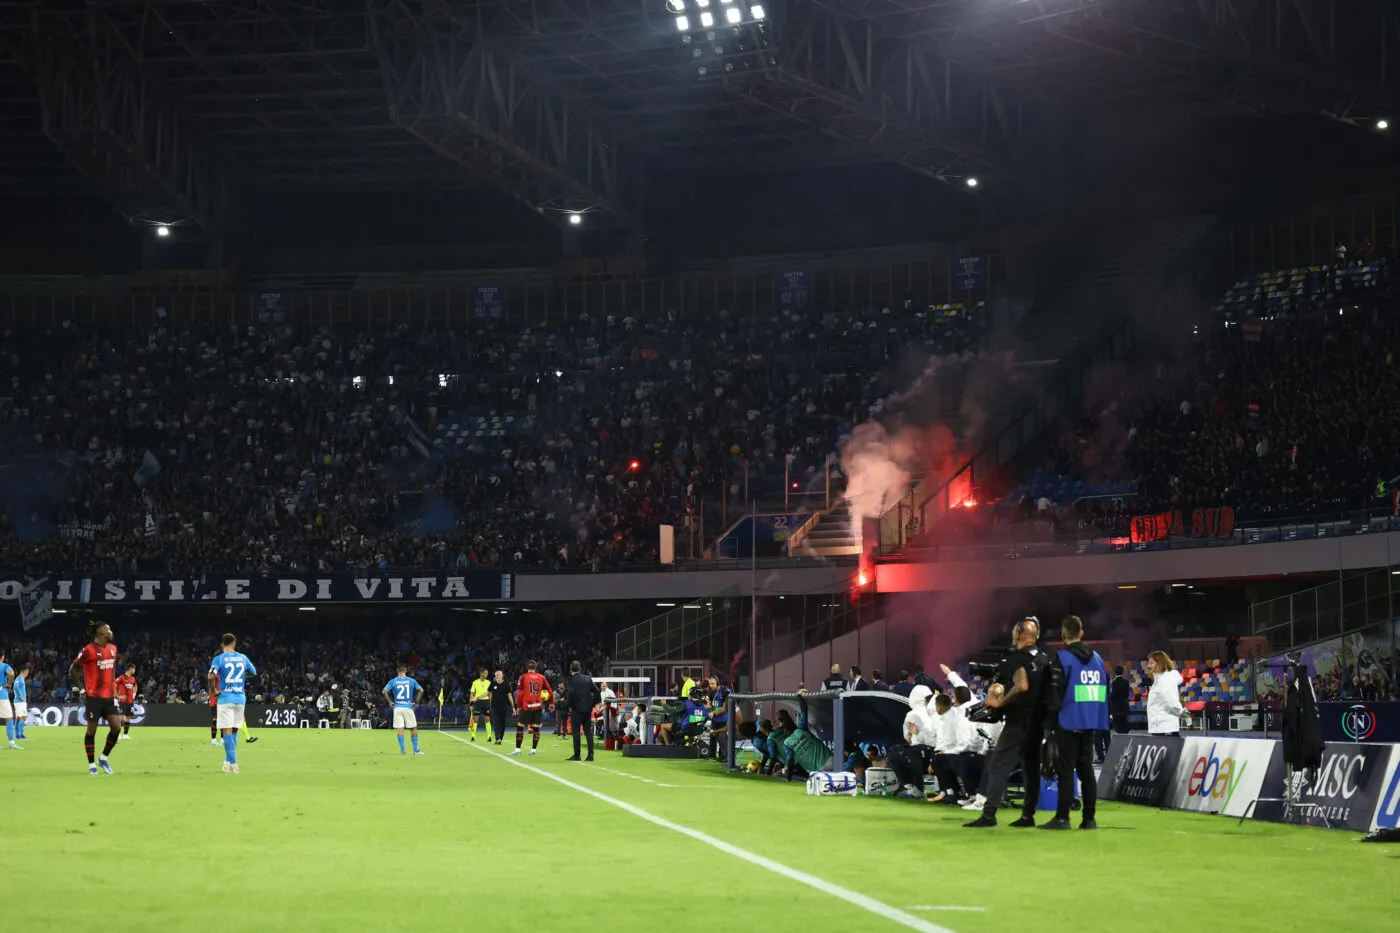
pixel 301 589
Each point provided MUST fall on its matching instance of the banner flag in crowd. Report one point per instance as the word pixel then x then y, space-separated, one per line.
pixel 35 604
pixel 147 471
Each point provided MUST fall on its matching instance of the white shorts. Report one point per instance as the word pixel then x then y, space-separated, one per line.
pixel 6 710
pixel 405 718
pixel 21 709
pixel 230 715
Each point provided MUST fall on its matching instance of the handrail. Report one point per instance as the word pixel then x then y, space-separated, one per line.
pixel 1071 365
pixel 799 534
pixel 1363 521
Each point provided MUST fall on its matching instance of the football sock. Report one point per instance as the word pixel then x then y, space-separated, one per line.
pixel 231 748
pixel 415 743
pixel 401 745
pixel 214 726
pixel 88 742
pixel 10 729
pixel 126 727
pixel 519 735
pixel 534 736
pixel 111 743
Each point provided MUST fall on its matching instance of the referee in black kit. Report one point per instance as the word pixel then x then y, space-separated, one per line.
pixel 1021 678
pixel 583 694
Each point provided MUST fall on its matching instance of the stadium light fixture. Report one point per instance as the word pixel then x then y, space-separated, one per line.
pixel 756 11
pixel 707 19
pixel 162 230
pixel 972 181
pixel 1382 124
pixel 575 218
pixel 682 24
pixel 733 16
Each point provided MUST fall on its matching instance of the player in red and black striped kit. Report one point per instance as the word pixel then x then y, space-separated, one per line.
pixel 126 698
pixel 531 692
pixel 98 661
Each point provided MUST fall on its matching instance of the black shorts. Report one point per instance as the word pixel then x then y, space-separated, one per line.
pixel 126 709
pixel 530 717
pixel 101 708
pixel 481 707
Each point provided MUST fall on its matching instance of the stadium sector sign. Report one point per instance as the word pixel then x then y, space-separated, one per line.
pixel 298 589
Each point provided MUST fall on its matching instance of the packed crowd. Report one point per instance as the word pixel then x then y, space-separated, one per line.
pixel 1281 410
pixel 276 449
pixel 297 663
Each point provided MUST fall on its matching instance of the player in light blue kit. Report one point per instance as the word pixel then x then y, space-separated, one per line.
pixel 403 694
pixel 228 674
pixel 19 693
pixel 7 710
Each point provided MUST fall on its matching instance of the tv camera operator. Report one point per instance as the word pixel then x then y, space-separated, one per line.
pixel 1078 693
pixel 1017 696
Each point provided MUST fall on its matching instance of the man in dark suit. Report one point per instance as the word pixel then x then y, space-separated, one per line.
pixel 1120 696
pixel 582 695
pixel 857 682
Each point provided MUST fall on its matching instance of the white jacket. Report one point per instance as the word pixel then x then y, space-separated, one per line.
pixel 923 716
pixel 954 732
pixel 1164 707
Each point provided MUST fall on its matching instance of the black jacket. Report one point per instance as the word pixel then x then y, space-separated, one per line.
pixel 1302 727
pixel 860 683
pixel 583 694
pixel 834 684
pixel 1120 697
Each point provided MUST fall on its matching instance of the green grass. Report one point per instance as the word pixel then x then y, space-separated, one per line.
pixel 335 831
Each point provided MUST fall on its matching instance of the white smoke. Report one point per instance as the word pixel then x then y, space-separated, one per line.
pixel 876 466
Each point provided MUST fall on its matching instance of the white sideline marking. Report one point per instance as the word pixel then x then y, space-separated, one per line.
pixel 812 881
pixel 638 777
pixel 945 907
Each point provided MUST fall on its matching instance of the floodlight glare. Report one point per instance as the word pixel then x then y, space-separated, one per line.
pixel 732 15
pixel 972 182
pixel 162 230
pixel 1382 124
pixel 676 6
pixel 575 218
pixel 702 4
pixel 756 11
pixel 706 20
pixel 682 24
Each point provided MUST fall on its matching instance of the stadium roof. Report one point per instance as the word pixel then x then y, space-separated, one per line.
pixel 173 109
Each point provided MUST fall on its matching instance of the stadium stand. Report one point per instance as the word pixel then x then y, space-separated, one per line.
pixel 1273 411
pixel 272 448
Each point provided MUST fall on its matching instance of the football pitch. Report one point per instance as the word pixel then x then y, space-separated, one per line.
pixel 328 830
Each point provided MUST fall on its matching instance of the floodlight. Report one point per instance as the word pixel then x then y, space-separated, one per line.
pixel 575 218
pixel 971 182
pixel 732 15
pixel 682 24
pixel 702 4
pixel 756 11
pixel 1382 124
pixel 162 230
pixel 676 6
pixel 707 20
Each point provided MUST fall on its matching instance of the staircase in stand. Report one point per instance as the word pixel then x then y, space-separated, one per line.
pixel 830 535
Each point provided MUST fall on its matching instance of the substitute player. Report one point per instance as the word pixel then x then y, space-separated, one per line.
pixel 98 661
pixel 126 697
pixel 7 707
pixel 20 695
pixel 531 693
pixel 228 674
pixel 404 693
pixel 481 706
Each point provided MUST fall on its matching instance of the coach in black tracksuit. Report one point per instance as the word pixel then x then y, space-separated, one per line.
pixel 583 694
pixel 502 704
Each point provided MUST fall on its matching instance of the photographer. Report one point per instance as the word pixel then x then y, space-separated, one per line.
pixel 1079 688
pixel 1017 693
